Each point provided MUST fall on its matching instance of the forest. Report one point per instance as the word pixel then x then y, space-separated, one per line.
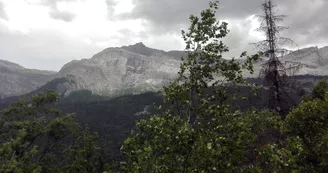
pixel 210 119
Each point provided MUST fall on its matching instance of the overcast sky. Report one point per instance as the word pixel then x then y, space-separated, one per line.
pixel 46 34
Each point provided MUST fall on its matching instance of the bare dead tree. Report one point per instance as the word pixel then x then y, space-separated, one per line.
pixel 273 71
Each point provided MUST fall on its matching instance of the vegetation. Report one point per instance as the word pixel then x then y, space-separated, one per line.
pixel 305 146
pixel 200 132
pixel 196 129
pixel 273 71
pixel 36 137
pixel 83 96
pixel 318 91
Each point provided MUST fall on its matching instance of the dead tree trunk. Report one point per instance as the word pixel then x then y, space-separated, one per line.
pixel 273 71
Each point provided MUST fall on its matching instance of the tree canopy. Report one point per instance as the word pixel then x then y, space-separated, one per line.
pixel 196 130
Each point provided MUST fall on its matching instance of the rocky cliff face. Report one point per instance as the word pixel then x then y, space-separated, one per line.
pixel 128 69
pixel 307 61
pixel 132 69
pixel 137 68
pixel 17 80
pixel 313 61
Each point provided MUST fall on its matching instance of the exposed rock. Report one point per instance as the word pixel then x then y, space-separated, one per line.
pixel 129 69
pixel 307 61
pixel 17 80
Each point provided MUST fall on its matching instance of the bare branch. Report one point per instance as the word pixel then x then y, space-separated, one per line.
pixel 273 71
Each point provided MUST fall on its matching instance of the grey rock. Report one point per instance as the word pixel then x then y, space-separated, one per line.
pixel 17 80
pixel 307 61
pixel 131 70
pixel 125 70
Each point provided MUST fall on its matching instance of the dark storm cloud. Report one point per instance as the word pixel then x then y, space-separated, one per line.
pixel 165 15
pixel 171 15
pixel 3 14
pixel 307 20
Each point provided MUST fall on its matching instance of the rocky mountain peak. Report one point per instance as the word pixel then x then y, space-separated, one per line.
pixel 141 49
pixel 127 69
pixel 140 45
pixel 10 65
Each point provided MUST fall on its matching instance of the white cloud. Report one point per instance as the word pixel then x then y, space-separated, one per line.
pixel 166 42
pixel 91 18
pixel 31 32
pixel 33 2
pixel 123 6
pixel 23 17
pixel 30 28
pixel 87 40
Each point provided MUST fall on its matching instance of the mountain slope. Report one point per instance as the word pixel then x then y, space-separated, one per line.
pixel 125 70
pixel 17 80
pixel 307 61
pixel 136 68
pixel 132 69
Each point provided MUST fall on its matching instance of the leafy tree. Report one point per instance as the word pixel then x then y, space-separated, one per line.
pixel 84 156
pixel 10 162
pixel 169 144
pixel 199 131
pixel 306 146
pixel 307 127
pixel 27 131
pixel 318 91
pixel 34 135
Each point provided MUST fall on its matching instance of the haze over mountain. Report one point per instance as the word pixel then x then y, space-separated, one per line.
pixel 312 60
pixel 130 70
pixel 17 80
pixel 307 61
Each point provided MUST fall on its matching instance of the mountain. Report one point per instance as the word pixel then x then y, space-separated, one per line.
pixel 17 80
pixel 307 61
pixel 115 70
pixel 312 61
pixel 137 68
pixel 132 69
pixel 124 70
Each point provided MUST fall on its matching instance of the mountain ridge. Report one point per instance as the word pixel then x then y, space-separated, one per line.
pixel 17 80
pixel 134 67
pixel 137 68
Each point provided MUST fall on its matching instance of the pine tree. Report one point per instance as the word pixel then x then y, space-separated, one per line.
pixel 273 71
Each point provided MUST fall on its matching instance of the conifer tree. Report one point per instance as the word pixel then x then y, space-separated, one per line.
pixel 273 71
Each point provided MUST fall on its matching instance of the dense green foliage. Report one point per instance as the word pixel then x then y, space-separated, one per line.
pixel 200 132
pixel 197 128
pixel 307 128
pixel 82 96
pixel 35 137
pixel 319 91
pixel 306 131
pixel 84 156
pixel 113 119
